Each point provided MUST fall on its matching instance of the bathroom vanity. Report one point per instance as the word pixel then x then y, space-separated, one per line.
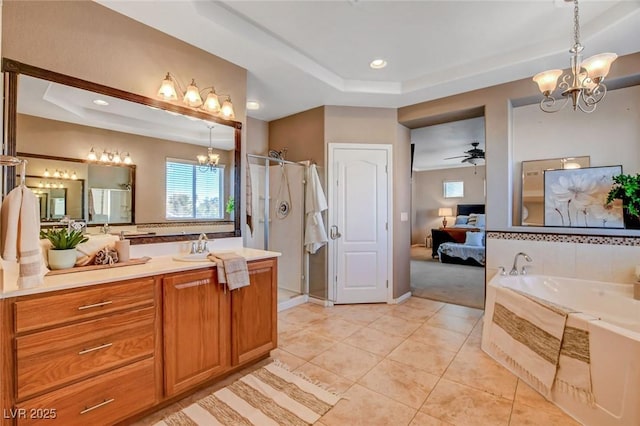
pixel 103 346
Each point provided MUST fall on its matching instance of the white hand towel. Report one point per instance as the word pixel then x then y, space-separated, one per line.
pixel 10 217
pixel 32 269
pixel 315 235
pixel 232 269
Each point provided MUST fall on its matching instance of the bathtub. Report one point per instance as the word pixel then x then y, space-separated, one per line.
pixel 614 343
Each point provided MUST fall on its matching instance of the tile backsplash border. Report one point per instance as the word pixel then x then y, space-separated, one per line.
pixel 565 238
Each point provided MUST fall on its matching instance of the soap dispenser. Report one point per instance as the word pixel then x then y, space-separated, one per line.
pixel 122 248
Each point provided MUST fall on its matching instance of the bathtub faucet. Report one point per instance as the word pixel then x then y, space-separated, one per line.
pixel 514 270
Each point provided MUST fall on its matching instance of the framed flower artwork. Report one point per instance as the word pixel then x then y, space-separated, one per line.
pixel 577 198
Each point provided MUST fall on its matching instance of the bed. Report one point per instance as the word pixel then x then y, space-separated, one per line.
pixel 453 245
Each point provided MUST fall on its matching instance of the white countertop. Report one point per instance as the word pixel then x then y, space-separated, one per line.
pixel 156 266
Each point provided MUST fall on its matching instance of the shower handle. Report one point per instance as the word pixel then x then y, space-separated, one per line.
pixel 333 233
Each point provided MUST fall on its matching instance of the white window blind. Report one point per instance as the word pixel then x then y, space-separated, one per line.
pixel 192 192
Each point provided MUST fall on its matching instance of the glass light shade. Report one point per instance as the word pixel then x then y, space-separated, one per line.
pixel 192 95
pixel 116 158
pixel 92 155
pixel 127 159
pixel 227 109
pixel 598 65
pixel 547 80
pixel 167 89
pixel 46 173
pixel 65 174
pixel 74 176
pixel 202 159
pixel 104 157
pixel 56 174
pixel 212 104
pixel 445 211
pixel 41 185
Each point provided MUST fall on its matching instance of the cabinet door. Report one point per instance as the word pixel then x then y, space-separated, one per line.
pixel 196 330
pixel 254 322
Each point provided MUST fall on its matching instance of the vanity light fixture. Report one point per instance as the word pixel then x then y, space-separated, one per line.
pixel 584 85
pixel 210 160
pixel 192 96
pixel 107 156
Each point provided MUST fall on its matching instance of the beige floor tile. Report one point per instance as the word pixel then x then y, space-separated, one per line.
pixel 156 416
pixel 326 378
pixel 476 369
pixel 461 311
pixel 374 341
pixel 400 382
pixel 465 406
pixel 287 358
pixel 356 315
pixel 286 329
pixel 523 415
pixel 300 315
pixel 346 361
pixel 382 308
pixel 526 395
pixel 439 337
pixel 423 419
pixel 363 407
pixel 411 314
pixel 424 304
pixel 335 327
pixel 395 326
pixel 422 357
pixel 453 323
pixel 307 344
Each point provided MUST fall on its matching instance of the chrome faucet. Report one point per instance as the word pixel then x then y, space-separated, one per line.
pixel 202 243
pixel 514 269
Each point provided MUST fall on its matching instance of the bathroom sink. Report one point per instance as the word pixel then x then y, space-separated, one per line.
pixel 192 257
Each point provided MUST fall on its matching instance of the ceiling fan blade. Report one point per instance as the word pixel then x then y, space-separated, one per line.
pixel 451 158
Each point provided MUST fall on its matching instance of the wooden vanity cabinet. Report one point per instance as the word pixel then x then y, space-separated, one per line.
pixel 254 321
pixel 196 330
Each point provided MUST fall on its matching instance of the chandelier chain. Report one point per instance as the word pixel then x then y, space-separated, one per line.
pixel 576 26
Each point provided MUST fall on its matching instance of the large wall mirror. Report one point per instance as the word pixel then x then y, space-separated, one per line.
pixel 533 185
pixel 144 171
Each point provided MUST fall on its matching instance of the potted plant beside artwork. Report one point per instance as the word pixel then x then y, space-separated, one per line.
pixel 627 189
pixel 62 254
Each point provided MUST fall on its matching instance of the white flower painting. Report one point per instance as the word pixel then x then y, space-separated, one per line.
pixel 577 198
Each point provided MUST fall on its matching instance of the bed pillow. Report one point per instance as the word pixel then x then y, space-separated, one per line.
pixel 481 221
pixel 462 219
pixel 474 239
pixel 473 218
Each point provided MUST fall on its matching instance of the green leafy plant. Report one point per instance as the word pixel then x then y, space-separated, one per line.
pixel 627 189
pixel 231 205
pixel 63 239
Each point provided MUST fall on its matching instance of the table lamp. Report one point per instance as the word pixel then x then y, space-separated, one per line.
pixel 444 212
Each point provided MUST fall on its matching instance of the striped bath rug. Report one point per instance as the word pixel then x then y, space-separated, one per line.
pixel 270 395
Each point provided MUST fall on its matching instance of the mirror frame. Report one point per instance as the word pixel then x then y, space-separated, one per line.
pixel 12 69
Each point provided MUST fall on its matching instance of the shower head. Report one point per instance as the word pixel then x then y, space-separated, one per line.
pixel 279 155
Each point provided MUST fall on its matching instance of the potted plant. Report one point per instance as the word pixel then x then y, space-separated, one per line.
pixel 230 206
pixel 62 254
pixel 627 189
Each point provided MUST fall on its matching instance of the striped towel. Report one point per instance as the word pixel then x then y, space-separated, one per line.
pixel 574 366
pixel 232 269
pixel 527 335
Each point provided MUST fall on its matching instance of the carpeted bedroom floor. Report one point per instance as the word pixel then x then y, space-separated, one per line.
pixel 457 284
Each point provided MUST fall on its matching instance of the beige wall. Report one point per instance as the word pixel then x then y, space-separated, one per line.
pixel 302 134
pixel 60 139
pixel 427 196
pixel 257 136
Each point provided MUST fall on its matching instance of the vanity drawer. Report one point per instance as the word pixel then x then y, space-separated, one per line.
pixel 42 312
pixel 102 400
pixel 55 357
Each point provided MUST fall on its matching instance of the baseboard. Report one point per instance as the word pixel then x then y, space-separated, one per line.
pixel 295 301
pixel 400 299
pixel 322 302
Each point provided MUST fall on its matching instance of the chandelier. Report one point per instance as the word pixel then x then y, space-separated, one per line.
pixel 210 160
pixel 192 97
pixel 584 85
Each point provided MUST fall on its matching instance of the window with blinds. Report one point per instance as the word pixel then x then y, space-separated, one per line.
pixel 193 192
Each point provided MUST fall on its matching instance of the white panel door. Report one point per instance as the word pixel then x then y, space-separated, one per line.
pixel 359 228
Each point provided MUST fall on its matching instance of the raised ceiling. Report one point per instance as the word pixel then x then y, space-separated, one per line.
pixel 303 54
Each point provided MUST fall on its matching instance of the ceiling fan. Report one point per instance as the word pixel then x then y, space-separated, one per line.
pixel 471 156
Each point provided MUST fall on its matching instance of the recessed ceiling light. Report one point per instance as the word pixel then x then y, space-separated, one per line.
pixel 377 64
pixel 253 105
pixel 100 102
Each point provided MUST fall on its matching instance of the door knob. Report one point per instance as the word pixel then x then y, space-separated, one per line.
pixel 333 233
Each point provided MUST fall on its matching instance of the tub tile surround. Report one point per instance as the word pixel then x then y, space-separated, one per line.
pixel 399 388
pixel 599 258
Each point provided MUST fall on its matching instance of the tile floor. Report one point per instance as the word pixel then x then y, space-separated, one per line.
pixel 418 364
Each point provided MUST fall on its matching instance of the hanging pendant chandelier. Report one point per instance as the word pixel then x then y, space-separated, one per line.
pixel 210 160
pixel 584 84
